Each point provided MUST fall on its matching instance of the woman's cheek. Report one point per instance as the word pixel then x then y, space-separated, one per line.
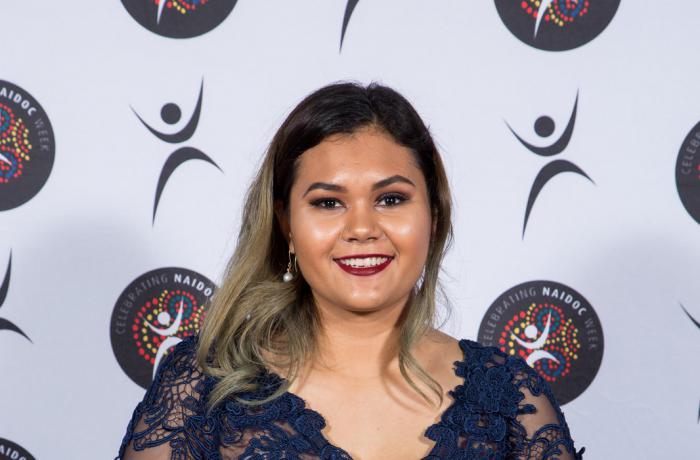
pixel 320 235
pixel 315 238
pixel 410 232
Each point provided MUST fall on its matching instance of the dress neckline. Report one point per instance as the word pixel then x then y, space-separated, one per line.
pixel 325 443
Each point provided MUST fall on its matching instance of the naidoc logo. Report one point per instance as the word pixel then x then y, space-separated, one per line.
pixel 27 146
pixel 170 113
pixel 697 324
pixel 13 451
pixel 153 314
pixel 349 8
pixel 688 173
pixel 179 18
pixel 553 328
pixel 544 127
pixel 556 25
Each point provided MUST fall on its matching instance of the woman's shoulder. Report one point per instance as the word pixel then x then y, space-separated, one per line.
pixel 500 397
pixel 484 377
pixel 468 355
pixel 439 351
pixel 444 350
pixel 485 370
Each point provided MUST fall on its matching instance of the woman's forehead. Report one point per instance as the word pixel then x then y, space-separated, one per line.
pixel 365 154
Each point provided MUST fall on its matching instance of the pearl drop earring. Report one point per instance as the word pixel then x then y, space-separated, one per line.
pixel 287 277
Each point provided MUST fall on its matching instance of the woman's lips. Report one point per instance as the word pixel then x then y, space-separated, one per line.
pixel 364 271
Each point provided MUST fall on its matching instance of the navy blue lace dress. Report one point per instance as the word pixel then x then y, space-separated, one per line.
pixel 503 410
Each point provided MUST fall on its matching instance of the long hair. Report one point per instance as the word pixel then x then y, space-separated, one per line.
pixel 254 313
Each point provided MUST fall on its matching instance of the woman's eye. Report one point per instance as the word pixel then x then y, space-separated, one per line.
pixel 327 203
pixel 392 200
pixel 388 200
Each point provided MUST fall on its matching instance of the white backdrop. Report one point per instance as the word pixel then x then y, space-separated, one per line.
pixel 626 242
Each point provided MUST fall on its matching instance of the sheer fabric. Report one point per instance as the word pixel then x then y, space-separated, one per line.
pixel 502 410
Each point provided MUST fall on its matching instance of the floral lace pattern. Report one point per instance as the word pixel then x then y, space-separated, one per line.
pixel 503 410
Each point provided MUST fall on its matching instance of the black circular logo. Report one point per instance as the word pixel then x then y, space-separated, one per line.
pixel 553 328
pixel 12 451
pixel 556 25
pixel 27 146
pixel 688 173
pixel 179 18
pixel 153 314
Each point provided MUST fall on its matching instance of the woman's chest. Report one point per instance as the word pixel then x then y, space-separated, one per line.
pixel 371 422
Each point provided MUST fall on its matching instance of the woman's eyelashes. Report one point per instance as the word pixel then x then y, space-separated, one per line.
pixel 388 200
pixel 393 199
pixel 324 203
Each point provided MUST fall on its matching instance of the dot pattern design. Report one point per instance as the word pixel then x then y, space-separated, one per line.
pixel 15 146
pixel 559 12
pixel 148 341
pixel 182 6
pixel 562 341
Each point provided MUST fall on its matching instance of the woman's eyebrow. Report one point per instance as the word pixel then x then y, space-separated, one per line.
pixel 339 188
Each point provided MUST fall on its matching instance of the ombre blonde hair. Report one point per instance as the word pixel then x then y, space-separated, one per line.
pixel 254 314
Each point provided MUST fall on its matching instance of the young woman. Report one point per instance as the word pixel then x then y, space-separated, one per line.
pixel 320 342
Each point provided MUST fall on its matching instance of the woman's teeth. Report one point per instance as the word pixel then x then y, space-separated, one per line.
pixel 364 262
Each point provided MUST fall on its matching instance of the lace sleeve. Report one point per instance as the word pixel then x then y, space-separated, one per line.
pixel 163 424
pixel 539 431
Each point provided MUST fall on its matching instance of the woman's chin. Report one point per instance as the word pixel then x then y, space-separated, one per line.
pixel 366 305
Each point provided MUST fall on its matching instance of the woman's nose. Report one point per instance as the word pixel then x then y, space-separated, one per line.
pixel 361 224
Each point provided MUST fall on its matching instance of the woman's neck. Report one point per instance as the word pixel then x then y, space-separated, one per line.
pixel 358 345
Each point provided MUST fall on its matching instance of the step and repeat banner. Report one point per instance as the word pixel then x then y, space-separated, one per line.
pixel 130 130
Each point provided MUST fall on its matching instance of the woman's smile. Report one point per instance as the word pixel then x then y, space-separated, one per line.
pixel 364 264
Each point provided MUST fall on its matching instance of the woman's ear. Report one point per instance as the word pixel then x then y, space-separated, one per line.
pixel 282 219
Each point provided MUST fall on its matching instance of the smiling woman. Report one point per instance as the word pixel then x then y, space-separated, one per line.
pixel 328 307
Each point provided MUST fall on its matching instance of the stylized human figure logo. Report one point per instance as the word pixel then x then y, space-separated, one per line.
pixel 154 313
pixel 544 127
pixel 170 114
pixel 163 322
pixel 167 333
pixel 7 325
pixel 544 337
pixel 697 324
pixel 551 327
pixel 349 8
pixel 537 342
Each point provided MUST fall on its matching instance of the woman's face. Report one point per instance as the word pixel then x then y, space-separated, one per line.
pixel 360 220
